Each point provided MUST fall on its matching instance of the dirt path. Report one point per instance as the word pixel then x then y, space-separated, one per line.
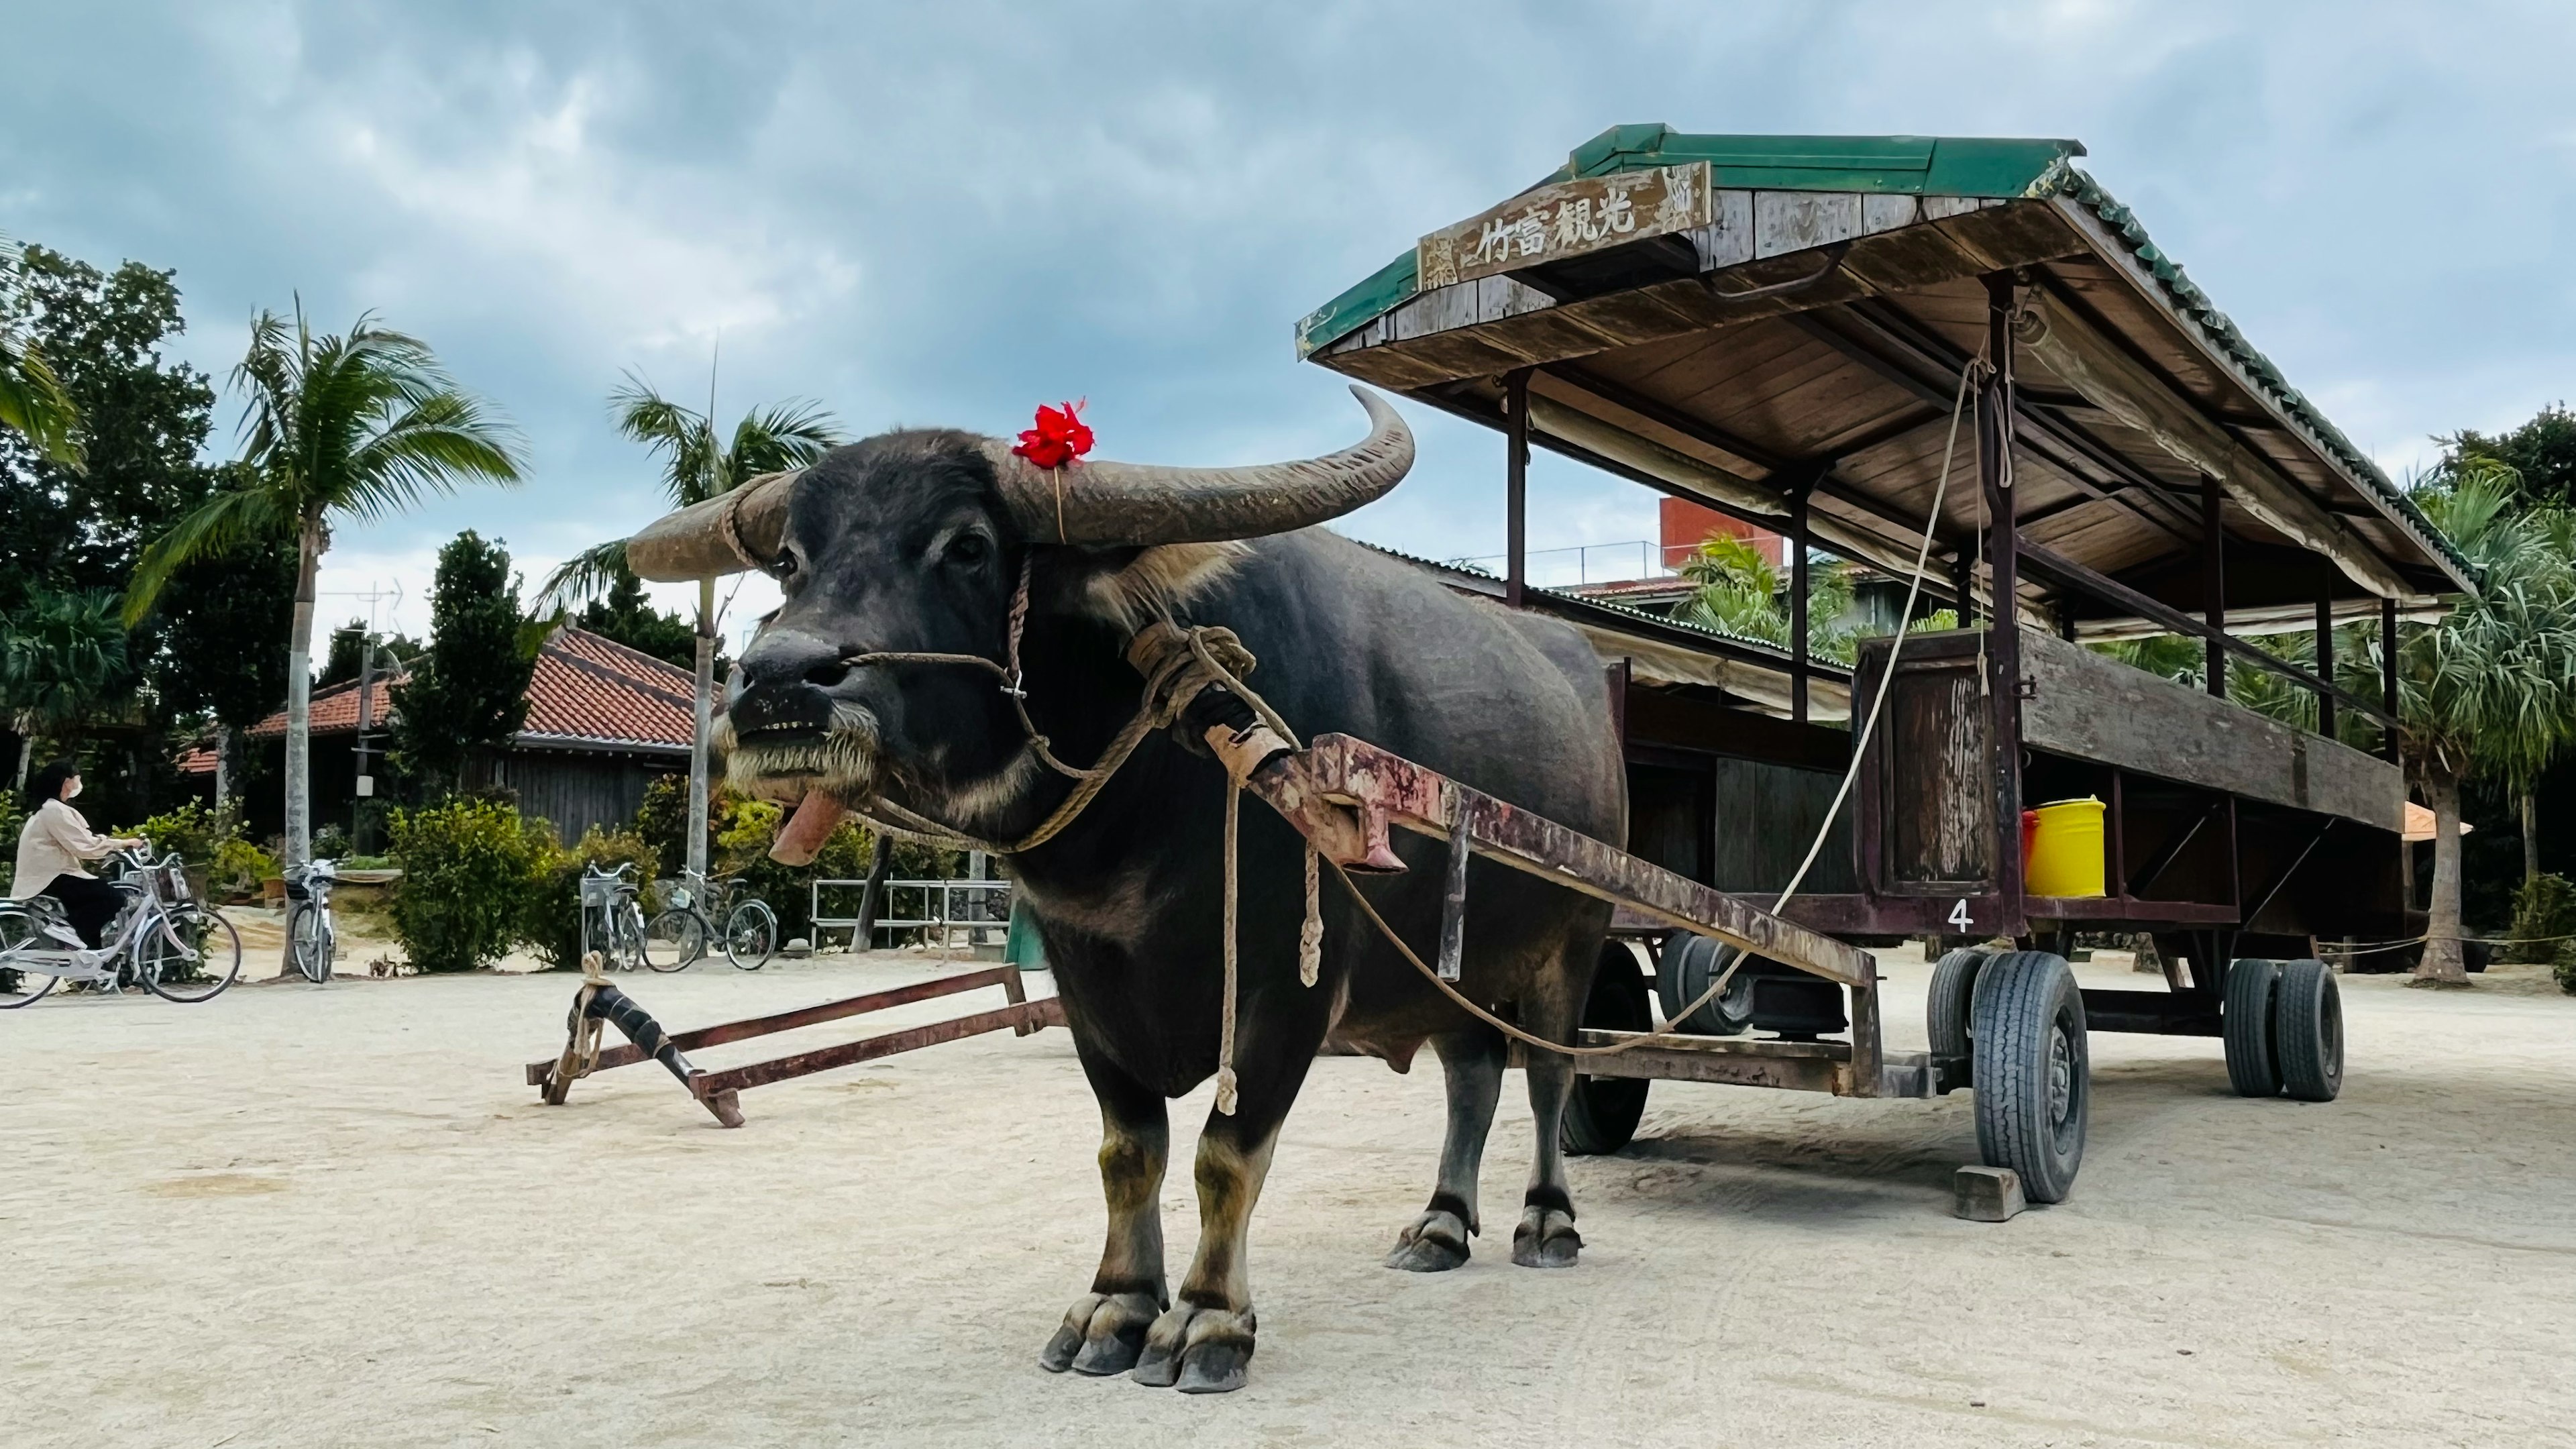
pixel 333 1216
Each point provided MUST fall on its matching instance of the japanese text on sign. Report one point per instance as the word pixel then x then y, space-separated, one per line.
pixel 1567 219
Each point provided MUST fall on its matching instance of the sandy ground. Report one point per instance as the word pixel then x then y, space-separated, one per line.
pixel 333 1215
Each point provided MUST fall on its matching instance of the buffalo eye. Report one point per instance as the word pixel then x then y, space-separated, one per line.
pixel 967 550
pixel 783 567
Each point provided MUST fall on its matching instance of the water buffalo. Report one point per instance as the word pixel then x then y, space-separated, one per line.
pixel 916 542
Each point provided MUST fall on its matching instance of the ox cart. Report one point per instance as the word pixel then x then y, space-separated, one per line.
pixel 1789 331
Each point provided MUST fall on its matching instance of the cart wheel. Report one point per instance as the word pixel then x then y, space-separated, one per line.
pixel 1601 1113
pixel 2307 1031
pixel 2245 1021
pixel 1954 985
pixel 1684 966
pixel 2033 1071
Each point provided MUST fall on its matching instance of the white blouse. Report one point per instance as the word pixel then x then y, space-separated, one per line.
pixel 54 843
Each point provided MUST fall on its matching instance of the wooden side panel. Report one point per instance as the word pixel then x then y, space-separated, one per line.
pixel 1938 823
pixel 2094 708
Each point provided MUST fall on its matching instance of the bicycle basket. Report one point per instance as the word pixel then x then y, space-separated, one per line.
pixel 600 890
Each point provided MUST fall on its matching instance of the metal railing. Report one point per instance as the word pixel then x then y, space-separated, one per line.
pixel 940 907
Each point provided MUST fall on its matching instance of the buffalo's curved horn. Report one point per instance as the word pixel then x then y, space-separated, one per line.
pixel 723 535
pixel 1101 503
pixel 1133 503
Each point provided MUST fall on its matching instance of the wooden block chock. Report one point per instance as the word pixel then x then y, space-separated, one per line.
pixel 1987 1194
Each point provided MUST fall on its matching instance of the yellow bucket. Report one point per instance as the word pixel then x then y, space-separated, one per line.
pixel 2066 851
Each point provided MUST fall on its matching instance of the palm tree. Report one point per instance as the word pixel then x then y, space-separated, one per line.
pixel 60 659
pixel 2491 689
pixel 356 427
pixel 31 397
pixel 1735 589
pixel 697 464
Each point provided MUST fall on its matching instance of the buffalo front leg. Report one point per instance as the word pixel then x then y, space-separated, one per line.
pixel 1105 1329
pixel 1472 1061
pixel 1203 1345
pixel 1546 1237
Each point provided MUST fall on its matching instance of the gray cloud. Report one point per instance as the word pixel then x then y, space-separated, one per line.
pixel 949 213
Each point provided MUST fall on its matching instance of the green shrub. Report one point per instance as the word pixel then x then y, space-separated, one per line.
pixel 238 868
pixel 550 913
pixel 2543 907
pixel 465 865
pixel 192 830
pixel 330 843
pixel 747 829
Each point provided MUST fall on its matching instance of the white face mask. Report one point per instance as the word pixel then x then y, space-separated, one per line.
pixel 72 791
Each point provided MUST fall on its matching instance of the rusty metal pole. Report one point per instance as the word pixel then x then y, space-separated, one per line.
pixel 2213 583
pixel 1516 488
pixel 1798 604
pixel 2325 659
pixel 2003 628
pixel 2388 675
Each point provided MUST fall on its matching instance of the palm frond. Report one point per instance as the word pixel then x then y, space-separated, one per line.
pixel 231 517
pixel 585 576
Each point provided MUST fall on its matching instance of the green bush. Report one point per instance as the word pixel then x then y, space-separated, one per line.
pixel 2563 966
pixel 192 830
pixel 2543 907
pixel 746 830
pixel 550 914
pixel 466 865
pixel 238 868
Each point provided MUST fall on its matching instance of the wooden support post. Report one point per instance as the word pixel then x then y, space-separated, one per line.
pixel 2388 676
pixel 863 936
pixel 2325 658
pixel 2213 582
pixel 1960 586
pixel 1798 603
pixel 1516 488
pixel 1453 899
pixel 2003 630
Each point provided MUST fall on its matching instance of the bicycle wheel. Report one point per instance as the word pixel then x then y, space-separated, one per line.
pixel 673 940
pixel 751 935
pixel 626 951
pixel 20 985
pixel 189 958
pixel 310 946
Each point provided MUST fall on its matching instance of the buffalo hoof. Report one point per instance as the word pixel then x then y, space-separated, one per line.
pixel 1197 1350
pixel 1102 1334
pixel 1546 1239
pixel 1432 1243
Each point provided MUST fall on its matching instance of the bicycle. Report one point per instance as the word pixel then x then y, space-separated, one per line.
pixel 162 940
pixel 311 938
pixel 612 923
pixel 750 934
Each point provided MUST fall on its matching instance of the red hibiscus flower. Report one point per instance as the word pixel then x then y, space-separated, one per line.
pixel 1058 439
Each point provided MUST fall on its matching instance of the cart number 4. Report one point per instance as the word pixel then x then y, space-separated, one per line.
pixel 1959 915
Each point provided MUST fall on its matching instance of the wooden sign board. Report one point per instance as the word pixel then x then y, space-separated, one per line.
pixel 1566 219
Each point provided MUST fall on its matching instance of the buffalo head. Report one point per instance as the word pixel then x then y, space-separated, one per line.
pixel 913 542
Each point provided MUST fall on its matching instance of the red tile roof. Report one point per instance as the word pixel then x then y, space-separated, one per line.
pixel 593 691
pixel 587 692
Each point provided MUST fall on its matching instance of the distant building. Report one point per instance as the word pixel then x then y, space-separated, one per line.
pixel 603 722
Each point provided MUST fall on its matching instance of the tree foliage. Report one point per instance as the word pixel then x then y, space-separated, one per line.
pixel 627 615
pixel 470 688
pixel 33 402
pixel 1736 590
pixel 2541 453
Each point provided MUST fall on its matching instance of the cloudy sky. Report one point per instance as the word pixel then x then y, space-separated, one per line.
pixel 949 213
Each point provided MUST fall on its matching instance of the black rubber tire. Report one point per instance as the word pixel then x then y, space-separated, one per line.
pixel 1601 1113
pixel 1953 997
pixel 309 944
pixel 1684 966
pixel 2307 1031
pixel 2245 1022
pixel 2033 1071
pixel 673 940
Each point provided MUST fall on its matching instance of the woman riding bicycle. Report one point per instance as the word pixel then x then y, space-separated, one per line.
pixel 52 846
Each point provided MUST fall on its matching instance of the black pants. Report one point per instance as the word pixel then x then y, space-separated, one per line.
pixel 90 904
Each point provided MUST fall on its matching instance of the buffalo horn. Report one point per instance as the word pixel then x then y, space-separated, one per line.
pixel 1094 503
pixel 1108 503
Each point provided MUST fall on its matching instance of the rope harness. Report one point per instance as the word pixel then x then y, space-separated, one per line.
pixel 1180 662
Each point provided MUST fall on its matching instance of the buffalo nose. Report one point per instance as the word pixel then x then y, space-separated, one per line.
pixel 782 657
